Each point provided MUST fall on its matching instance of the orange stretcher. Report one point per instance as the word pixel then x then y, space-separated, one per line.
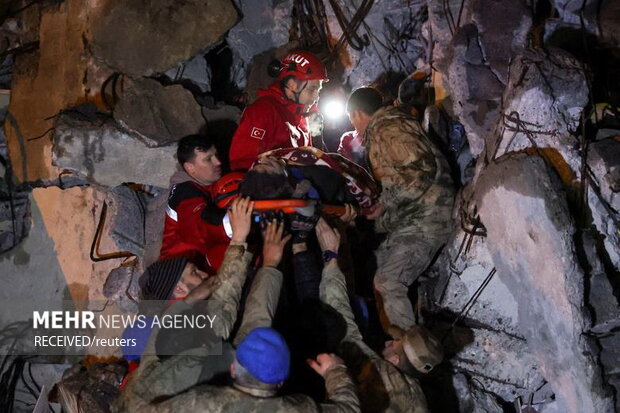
pixel 289 206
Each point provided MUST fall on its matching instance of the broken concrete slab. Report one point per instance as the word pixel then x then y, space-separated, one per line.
pixel 265 26
pixel 194 71
pixel 126 214
pixel 121 287
pixel 475 89
pixel 502 363
pixel 604 163
pixel 158 114
pixel 502 35
pixel 393 31
pixel 495 308
pixel 530 235
pixel 472 399
pixel 15 219
pixel 572 11
pixel 442 16
pixel 101 153
pixel 156 35
pixel 543 102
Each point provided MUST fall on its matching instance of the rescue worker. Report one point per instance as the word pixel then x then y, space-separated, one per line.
pixel 194 227
pixel 278 118
pixel 415 205
pixel 388 383
pixel 261 361
pixel 352 143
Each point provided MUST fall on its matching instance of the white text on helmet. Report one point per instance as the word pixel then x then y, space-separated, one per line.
pixel 300 60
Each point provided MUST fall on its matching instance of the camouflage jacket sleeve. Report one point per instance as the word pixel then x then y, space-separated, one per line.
pixel 147 379
pixel 155 378
pixel 403 160
pixel 333 291
pixel 261 302
pixel 224 302
pixel 340 391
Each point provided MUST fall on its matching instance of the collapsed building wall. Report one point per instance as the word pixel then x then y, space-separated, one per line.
pixel 525 294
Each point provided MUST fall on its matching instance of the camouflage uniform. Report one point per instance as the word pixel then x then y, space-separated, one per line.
pixel 418 196
pixel 155 378
pixel 381 386
pixel 172 377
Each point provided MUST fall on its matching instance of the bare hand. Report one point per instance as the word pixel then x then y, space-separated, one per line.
pixel 273 243
pixel 203 290
pixel 241 218
pixel 324 362
pixel 376 211
pixel 329 238
pixel 349 215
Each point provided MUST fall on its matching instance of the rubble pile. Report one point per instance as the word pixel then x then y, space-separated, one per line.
pixel 525 295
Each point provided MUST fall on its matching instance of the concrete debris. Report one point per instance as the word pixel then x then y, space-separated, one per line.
pixel 501 35
pixel 393 32
pixel 474 86
pixel 604 163
pixel 604 194
pixel 610 354
pixel 265 26
pixel 601 299
pixel 257 76
pixel 6 71
pixel 495 308
pixel 533 259
pixel 546 94
pixel 91 390
pixel 159 114
pixel 608 18
pixel 122 288
pixel 502 363
pixel 95 149
pixel 15 218
pixel 126 214
pixel 472 399
pixel 572 11
pixel 193 74
pixel 156 35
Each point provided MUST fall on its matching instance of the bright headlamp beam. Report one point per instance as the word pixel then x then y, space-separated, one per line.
pixel 333 109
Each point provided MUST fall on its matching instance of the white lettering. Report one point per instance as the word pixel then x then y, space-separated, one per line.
pixel 57 319
pixel 40 319
pixel 87 319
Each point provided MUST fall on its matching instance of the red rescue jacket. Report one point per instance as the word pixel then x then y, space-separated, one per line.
pixel 193 228
pixel 271 122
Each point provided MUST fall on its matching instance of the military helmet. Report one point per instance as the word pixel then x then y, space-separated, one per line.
pixel 422 349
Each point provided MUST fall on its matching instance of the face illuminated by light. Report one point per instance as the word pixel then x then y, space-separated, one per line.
pixel 359 120
pixel 309 89
pixel 190 279
pixel 205 167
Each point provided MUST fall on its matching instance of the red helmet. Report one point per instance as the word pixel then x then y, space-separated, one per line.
pixel 226 189
pixel 302 65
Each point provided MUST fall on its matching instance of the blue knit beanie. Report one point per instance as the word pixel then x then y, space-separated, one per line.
pixel 265 355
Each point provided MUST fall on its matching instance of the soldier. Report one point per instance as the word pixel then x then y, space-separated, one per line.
pixel 415 205
pixel 261 361
pixel 384 384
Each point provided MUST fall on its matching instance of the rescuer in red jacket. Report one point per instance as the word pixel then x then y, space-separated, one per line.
pixel 194 227
pixel 277 119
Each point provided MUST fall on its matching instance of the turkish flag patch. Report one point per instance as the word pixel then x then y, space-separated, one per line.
pixel 257 133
